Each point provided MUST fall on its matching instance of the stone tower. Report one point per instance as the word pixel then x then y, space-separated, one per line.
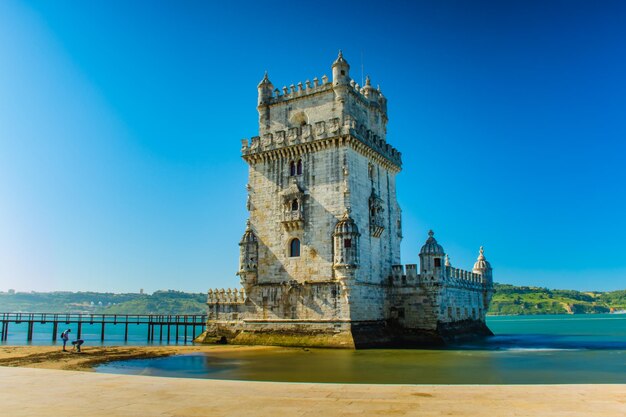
pixel 321 248
pixel 322 158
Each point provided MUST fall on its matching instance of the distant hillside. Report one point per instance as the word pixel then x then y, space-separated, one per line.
pixel 160 302
pixel 508 299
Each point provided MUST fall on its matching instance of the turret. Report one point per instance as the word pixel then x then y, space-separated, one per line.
pixel 248 258
pixel 346 246
pixel 265 89
pixel 341 71
pixel 483 267
pixel 431 258
pixel 370 92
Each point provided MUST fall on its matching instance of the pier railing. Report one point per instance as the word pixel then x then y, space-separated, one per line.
pixel 169 322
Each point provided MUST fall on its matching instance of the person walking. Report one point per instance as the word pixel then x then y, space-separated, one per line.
pixel 65 336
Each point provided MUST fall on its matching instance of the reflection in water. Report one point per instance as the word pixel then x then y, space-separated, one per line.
pixel 524 351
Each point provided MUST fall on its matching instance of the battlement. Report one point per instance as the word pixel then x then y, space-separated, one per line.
pixel 228 296
pixel 367 94
pixel 318 132
pixel 451 275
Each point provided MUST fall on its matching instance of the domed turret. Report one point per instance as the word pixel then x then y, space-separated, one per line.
pixel 341 70
pixel 248 257
pixel 265 88
pixel 481 261
pixel 248 235
pixel 346 225
pixel 483 267
pixel 346 244
pixel 431 255
pixel 431 247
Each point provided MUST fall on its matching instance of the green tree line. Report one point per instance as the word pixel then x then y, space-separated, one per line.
pixel 508 299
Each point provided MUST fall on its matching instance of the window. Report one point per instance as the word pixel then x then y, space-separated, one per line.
pixel 299 167
pixel 292 168
pixel 347 243
pixel 343 72
pixel 437 262
pixel 294 205
pixel 294 248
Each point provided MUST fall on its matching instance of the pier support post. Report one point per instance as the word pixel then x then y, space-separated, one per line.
pixel 102 331
pixel 126 331
pixel 29 336
pixel 80 328
pixel 55 329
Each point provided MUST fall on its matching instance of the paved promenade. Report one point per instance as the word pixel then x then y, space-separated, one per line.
pixel 44 392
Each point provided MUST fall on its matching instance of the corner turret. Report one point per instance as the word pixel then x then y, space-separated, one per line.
pixel 431 256
pixel 341 70
pixel 248 258
pixel 483 267
pixel 265 89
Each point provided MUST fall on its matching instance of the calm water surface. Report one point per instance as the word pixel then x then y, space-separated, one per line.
pixel 525 350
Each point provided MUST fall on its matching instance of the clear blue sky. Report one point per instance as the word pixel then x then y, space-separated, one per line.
pixel 120 128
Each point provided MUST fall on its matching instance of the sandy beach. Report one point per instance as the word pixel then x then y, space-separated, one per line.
pixel 61 383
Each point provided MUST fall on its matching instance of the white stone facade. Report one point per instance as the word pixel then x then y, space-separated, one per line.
pixel 320 256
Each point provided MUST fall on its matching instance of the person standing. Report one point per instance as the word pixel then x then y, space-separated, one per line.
pixel 65 336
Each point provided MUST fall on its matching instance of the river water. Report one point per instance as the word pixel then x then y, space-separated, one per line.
pixel 525 350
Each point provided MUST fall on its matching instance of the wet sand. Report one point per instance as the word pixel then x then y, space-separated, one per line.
pixel 43 392
pixel 52 357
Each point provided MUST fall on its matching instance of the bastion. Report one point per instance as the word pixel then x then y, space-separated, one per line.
pixel 320 256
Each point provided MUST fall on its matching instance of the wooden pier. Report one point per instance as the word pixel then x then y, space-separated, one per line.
pixel 171 323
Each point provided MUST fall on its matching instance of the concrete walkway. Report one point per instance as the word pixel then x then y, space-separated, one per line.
pixel 43 392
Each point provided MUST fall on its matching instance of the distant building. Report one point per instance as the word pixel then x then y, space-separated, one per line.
pixel 320 256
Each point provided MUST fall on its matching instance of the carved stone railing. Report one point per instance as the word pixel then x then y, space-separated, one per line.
pixel 228 296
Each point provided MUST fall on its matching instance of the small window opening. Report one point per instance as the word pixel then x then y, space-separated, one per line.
pixel 292 168
pixel 294 248
pixel 347 243
pixel 437 262
pixel 294 205
pixel 343 72
pixel 299 167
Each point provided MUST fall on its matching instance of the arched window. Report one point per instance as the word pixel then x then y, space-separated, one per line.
pixel 347 243
pixel 294 205
pixel 299 167
pixel 292 168
pixel 294 248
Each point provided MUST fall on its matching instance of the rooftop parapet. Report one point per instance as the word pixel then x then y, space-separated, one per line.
pixel 268 95
pixel 453 275
pixel 464 277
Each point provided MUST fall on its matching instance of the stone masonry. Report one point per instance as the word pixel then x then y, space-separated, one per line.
pixel 320 257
